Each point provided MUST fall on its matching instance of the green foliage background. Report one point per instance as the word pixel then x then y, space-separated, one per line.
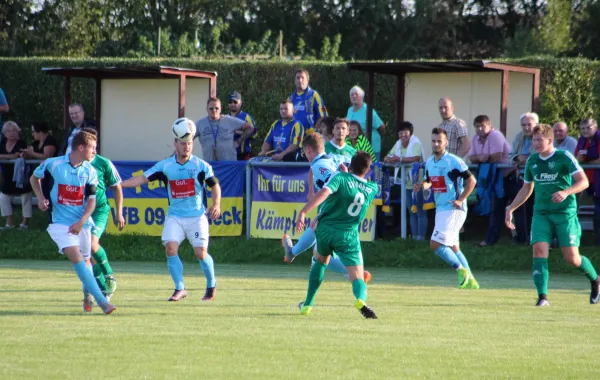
pixel 569 87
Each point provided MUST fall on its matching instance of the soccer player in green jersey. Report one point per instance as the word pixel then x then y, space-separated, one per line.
pixel 337 146
pixel 346 198
pixel 557 177
pixel 107 176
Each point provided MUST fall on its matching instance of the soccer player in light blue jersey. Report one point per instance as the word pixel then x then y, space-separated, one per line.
pixel 452 183
pixel 322 167
pixel 185 176
pixel 73 183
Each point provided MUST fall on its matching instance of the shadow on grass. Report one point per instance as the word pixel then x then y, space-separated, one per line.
pixel 442 278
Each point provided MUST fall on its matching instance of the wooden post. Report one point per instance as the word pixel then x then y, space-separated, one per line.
pixel 182 84
pixel 98 108
pixel 536 91
pixel 212 87
pixel 281 44
pixel 504 102
pixel 370 100
pixel 67 102
pixel 400 96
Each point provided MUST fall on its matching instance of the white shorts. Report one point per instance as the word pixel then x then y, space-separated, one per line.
pixel 195 229
pixel 447 226
pixel 64 239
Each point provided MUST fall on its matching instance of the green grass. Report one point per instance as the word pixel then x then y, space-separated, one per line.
pixel 426 329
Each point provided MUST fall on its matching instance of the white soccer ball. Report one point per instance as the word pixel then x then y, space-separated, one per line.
pixel 183 128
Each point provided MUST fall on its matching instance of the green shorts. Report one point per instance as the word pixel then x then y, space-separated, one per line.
pixel 100 217
pixel 565 227
pixel 346 244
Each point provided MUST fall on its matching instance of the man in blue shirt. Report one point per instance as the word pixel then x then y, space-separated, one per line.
pixel 244 149
pixel 73 182
pixel 451 182
pixel 185 177
pixel 285 135
pixel 309 106
pixel 4 108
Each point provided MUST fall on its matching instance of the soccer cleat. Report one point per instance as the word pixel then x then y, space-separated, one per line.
pixel 472 283
pixel 541 302
pixel 304 310
pixel 108 308
pixel 595 294
pixel 287 244
pixel 88 302
pixel 367 277
pixel 210 294
pixel 111 284
pixel 177 295
pixel 463 277
pixel 365 310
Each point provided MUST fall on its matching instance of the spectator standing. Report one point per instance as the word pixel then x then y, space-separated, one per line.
pixel 562 140
pixel 10 149
pixel 458 136
pixel 588 152
pixel 358 141
pixel 79 121
pixel 4 108
pixel 285 135
pixel 216 132
pixel 358 112
pixel 521 149
pixel 408 149
pixel 308 105
pixel 235 110
pixel 490 146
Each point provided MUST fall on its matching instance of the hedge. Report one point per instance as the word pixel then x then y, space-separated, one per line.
pixel 569 87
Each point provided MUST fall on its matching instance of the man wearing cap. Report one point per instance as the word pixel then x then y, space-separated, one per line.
pixel 235 110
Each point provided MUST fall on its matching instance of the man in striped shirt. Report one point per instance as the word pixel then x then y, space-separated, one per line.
pixel 458 139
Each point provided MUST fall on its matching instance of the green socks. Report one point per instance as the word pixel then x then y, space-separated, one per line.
pixel 540 275
pixel 100 280
pixel 359 289
pixel 102 262
pixel 315 278
pixel 588 269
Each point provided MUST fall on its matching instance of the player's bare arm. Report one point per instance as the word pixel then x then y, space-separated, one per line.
pixel 521 198
pixel 580 183
pixel 36 185
pixel 134 182
pixel 118 195
pixel 215 210
pixel 314 202
pixel 90 206
pixel 469 186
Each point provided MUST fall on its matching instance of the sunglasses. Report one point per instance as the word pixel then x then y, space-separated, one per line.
pixel 233 102
pixel 214 108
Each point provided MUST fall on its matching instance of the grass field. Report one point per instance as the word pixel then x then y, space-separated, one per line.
pixel 426 327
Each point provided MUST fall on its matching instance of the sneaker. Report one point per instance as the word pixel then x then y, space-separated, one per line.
pixel 367 277
pixel 108 308
pixel 463 277
pixel 472 283
pixel 287 244
pixel 88 302
pixel 365 310
pixel 177 295
pixel 541 302
pixel 210 294
pixel 304 310
pixel 595 294
pixel 111 284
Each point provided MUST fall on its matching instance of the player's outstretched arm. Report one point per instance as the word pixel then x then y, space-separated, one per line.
pixel 118 195
pixel 314 202
pixel 134 182
pixel 521 197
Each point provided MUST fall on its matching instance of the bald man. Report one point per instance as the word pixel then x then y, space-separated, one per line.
pixel 562 140
pixel 458 138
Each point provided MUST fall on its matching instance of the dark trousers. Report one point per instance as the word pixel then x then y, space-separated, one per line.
pixel 597 215
pixel 524 214
pixel 496 219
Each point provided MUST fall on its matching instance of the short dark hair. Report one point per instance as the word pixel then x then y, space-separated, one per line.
pixel 213 99
pixel 361 163
pixel 341 120
pixel 40 126
pixel 482 119
pixel 328 122
pixel 286 101
pixel 439 131
pixel 77 105
pixel 82 138
pixel 357 124
pixel 303 71
pixel 405 126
